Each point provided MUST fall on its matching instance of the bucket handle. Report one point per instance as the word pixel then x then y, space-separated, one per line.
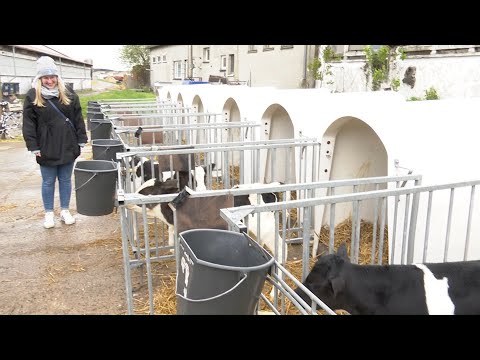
pixel 99 124
pixel 86 182
pixel 104 151
pixel 216 296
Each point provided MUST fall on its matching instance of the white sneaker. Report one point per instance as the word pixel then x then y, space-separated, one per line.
pixel 66 217
pixel 49 220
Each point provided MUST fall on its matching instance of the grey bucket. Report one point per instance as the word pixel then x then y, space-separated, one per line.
pixel 106 149
pixel 95 182
pixel 100 129
pixel 219 272
pixel 93 115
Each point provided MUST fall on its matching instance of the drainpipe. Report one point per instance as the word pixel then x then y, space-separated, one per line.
pixel 14 67
pixel 190 62
pixel 305 61
pixel 237 64
pixel 304 83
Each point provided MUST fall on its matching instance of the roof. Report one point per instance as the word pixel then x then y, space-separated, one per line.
pixel 49 51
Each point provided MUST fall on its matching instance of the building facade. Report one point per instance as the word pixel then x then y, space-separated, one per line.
pixel 445 70
pixel 18 66
pixel 282 66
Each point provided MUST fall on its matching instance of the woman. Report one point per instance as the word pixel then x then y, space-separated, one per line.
pixel 53 130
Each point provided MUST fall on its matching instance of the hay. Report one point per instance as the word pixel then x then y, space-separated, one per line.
pixel 343 234
pixel 164 296
pixel 165 302
pixel 7 207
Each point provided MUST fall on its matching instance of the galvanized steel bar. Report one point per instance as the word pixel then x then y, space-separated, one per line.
pixel 469 223
pixel 331 243
pixel 413 225
pixel 405 230
pixel 449 223
pixel 383 201
pixel 374 232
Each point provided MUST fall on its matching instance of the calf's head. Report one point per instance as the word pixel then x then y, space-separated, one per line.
pixel 326 279
pixel 199 175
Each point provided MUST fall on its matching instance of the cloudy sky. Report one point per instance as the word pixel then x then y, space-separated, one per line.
pixel 103 56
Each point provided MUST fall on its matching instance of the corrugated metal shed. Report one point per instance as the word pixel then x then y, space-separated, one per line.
pixel 18 65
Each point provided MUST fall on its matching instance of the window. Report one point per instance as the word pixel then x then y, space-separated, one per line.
pixel 153 59
pixel 164 58
pixel 231 64
pixel 283 47
pixel 159 59
pixel 223 62
pixel 267 47
pixel 252 48
pixel 356 47
pixel 206 54
pixel 337 49
pixel 177 68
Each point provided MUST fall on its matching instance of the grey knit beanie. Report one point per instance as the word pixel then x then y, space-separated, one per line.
pixel 46 67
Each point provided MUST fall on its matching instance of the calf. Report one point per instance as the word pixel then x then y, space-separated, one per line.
pixel 154 186
pixel 143 164
pixel 420 289
pixel 267 219
pixel 160 211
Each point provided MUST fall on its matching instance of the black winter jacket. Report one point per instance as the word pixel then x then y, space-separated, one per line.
pixel 46 130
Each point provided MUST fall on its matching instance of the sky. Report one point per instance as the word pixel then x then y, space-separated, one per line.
pixel 103 56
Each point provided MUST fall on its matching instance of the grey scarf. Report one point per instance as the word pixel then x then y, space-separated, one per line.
pixel 49 93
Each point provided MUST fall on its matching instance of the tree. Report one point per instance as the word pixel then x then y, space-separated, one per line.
pixel 321 70
pixel 137 56
pixel 379 63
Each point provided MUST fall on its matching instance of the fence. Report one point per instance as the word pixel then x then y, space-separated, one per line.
pixel 412 220
pixel 142 252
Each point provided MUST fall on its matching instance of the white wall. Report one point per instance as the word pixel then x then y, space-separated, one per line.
pixel 368 131
pixel 456 75
pixel 283 67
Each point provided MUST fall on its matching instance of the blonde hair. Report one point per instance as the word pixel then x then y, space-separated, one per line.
pixel 62 93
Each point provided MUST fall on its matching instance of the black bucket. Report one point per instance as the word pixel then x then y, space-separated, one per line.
pixel 93 115
pixel 95 182
pixel 106 149
pixel 93 106
pixel 219 272
pixel 100 129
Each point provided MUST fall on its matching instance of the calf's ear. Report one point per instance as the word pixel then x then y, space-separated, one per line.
pixel 211 166
pixel 337 284
pixel 342 251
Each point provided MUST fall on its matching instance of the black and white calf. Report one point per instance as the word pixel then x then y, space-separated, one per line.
pixel 154 186
pixel 433 288
pixel 160 211
pixel 267 218
pixel 143 165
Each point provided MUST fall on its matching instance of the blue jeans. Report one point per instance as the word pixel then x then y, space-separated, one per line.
pixel 49 176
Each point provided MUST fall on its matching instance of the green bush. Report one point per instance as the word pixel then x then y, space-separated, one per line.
pixel 431 94
pixel 414 98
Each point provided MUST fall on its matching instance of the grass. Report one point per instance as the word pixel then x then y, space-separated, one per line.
pixel 85 98
pixel 111 94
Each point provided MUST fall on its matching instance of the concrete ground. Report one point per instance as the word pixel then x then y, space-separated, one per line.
pixel 76 269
